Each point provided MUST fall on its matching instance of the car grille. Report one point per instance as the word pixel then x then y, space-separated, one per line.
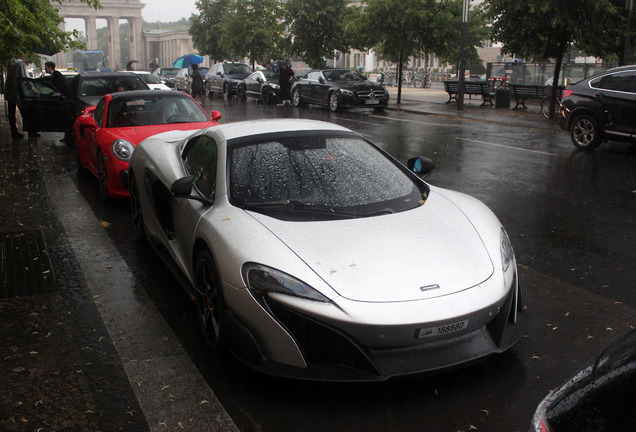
pixel 371 94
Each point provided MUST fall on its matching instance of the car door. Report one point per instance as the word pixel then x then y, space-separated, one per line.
pixel 93 135
pixel 617 93
pixel 219 78
pixel 253 84
pixel 308 86
pixel 320 88
pixel 43 107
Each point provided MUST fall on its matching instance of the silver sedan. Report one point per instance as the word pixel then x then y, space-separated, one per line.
pixel 312 253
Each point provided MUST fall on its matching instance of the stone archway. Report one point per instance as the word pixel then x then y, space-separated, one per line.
pixel 112 12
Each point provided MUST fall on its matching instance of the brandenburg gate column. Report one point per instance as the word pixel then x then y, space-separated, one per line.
pixel 91 32
pixel 136 44
pixel 114 47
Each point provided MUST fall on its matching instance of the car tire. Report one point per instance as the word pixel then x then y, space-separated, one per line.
pixel 81 171
pixel 333 100
pixel 585 132
pixel 296 98
pixel 210 304
pixel 135 208
pixel 101 176
pixel 240 93
pixel 266 96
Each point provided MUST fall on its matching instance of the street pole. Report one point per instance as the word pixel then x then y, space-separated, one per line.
pixel 462 57
pixel 629 6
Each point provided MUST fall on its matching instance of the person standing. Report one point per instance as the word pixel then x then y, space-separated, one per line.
pixel 197 84
pixel 285 76
pixel 154 64
pixel 16 68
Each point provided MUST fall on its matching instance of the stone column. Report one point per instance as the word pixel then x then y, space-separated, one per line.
pixel 136 45
pixel 60 58
pixel 91 32
pixel 114 44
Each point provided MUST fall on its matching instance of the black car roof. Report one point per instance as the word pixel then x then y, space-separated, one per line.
pixel 146 93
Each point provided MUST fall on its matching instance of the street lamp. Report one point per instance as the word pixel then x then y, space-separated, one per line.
pixel 462 57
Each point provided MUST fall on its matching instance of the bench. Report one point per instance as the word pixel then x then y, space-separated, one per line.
pixel 480 88
pixel 521 92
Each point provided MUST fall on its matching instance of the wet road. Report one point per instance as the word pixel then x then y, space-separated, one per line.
pixel 570 217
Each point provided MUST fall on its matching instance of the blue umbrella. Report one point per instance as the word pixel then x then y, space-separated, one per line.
pixel 188 60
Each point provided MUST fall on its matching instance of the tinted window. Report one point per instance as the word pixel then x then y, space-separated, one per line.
pixel 337 171
pixel 313 76
pixel 200 162
pixel 92 86
pixel 154 110
pixel 617 82
pixel 98 114
pixel 237 69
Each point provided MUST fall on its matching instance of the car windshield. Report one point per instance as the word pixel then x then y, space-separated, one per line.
pixel 154 110
pixel 169 72
pixel 99 86
pixel 343 75
pixel 149 78
pixel 237 69
pixel 270 75
pixel 202 71
pixel 318 176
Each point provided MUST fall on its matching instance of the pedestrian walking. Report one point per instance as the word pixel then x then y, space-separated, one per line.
pixel 197 84
pixel 285 76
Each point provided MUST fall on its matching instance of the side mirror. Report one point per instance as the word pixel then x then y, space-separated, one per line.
pixel 421 166
pixel 182 188
pixel 259 79
pixel 219 73
pixel 321 80
pixel 216 116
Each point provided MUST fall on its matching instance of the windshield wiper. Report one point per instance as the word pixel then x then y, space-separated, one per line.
pixel 299 207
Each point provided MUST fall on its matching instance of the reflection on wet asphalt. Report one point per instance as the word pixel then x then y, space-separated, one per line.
pixel 570 216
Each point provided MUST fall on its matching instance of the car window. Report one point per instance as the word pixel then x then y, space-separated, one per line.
pixel 149 78
pixel 200 162
pixel 329 170
pixel 313 76
pixel 270 75
pixel 144 110
pixel 618 82
pixel 98 114
pixel 99 86
pixel 169 71
pixel 36 87
pixel 237 69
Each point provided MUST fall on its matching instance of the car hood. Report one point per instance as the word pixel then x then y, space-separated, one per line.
pixel 426 252
pixel 136 134
pixel 361 86
pixel 236 76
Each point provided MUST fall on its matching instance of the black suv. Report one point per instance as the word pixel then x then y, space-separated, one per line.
pixel 601 108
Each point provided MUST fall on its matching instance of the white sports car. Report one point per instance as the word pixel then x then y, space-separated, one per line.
pixel 312 253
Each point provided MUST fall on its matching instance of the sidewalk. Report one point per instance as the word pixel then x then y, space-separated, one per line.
pixel 60 368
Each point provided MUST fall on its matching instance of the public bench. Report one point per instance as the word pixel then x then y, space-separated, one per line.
pixel 521 92
pixel 479 88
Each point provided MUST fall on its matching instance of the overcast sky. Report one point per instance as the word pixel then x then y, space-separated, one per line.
pixel 155 10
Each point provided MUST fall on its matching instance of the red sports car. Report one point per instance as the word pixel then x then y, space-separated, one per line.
pixel 106 134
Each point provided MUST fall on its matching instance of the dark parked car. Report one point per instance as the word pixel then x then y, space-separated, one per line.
pixel 261 85
pixel 52 112
pixel 601 108
pixel 601 397
pixel 183 80
pixel 224 77
pixel 337 89
pixel 166 75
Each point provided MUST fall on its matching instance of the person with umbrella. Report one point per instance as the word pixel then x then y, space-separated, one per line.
pixel 197 84
pixel 129 65
pixel 16 68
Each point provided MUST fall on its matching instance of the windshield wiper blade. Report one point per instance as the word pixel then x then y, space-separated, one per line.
pixel 299 207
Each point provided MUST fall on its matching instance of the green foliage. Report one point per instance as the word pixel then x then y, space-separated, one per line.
pixel 26 25
pixel 316 29
pixel 207 28
pixel 253 30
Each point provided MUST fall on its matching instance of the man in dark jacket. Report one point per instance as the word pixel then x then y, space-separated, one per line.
pixel 285 76
pixel 59 81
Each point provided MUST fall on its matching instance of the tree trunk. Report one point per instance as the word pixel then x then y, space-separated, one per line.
pixel 555 85
pixel 399 77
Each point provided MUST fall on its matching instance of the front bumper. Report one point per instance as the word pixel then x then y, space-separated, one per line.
pixel 373 99
pixel 333 355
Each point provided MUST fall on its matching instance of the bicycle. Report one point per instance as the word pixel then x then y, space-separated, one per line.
pixel 546 102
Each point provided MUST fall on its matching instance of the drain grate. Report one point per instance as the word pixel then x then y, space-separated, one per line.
pixel 25 267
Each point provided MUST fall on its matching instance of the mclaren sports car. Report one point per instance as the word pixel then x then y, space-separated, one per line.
pixel 312 253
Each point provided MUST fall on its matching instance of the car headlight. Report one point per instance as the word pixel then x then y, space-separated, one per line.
pixel 347 92
pixel 274 86
pixel 122 149
pixel 261 280
pixel 507 253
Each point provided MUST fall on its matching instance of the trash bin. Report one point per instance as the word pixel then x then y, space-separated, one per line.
pixel 502 98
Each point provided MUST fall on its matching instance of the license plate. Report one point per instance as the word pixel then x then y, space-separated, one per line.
pixel 372 102
pixel 441 330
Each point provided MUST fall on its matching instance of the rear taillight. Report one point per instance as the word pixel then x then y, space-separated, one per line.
pixel 566 93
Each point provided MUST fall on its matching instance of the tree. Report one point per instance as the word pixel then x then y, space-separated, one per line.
pixel 253 30
pixel 316 29
pixel 28 25
pixel 540 30
pixel 206 28
pixel 397 29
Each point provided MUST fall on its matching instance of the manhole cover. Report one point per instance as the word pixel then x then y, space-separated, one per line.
pixel 25 267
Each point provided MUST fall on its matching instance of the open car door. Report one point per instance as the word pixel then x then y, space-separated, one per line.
pixel 43 107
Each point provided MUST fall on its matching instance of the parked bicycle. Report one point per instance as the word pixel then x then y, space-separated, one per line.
pixel 547 101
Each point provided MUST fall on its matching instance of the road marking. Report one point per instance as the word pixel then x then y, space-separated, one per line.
pixel 409 121
pixel 506 146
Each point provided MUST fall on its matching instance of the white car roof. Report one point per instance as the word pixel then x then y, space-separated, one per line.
pixel 230 131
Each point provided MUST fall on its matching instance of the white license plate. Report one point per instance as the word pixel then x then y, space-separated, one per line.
pixel 441 330
pixel 372 102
